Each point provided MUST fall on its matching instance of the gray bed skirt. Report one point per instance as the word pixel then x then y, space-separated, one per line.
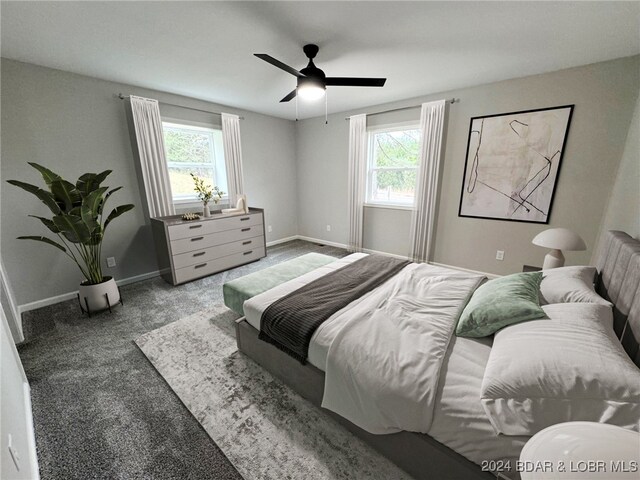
pixel 419 455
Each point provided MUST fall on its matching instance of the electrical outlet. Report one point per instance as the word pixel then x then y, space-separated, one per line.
pixel 111 262
pixel 269 228
pixel 500 255
pixel 328 228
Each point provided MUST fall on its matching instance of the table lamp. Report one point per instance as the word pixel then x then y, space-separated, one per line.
pixel 558 239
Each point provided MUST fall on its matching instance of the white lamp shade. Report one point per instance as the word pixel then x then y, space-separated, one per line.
pixel 559 239
pixel 581 450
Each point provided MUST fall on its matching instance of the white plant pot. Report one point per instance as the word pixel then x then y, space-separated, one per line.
pixel 95 296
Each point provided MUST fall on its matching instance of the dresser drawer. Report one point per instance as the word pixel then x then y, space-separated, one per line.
pixel 211 253
pixel 205 241
pixel 207 268
pixel 213 225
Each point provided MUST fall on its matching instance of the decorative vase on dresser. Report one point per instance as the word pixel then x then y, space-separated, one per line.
pixel 191 249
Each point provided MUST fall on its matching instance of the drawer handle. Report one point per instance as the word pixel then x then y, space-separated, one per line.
pixel 247 242
pixel 201 265
pixel 195 226
pixel 245 229
pixel 243 219
pixel 199 254
pixel 248 253
pixel 195 239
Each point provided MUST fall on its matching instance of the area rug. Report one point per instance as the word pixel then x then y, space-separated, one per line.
pixel 264 428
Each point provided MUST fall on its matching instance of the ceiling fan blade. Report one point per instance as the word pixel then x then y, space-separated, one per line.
pixel 279 64
pixel 291 96
pixel 355 82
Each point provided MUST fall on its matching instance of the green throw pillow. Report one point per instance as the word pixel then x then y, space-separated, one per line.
pixel 501 302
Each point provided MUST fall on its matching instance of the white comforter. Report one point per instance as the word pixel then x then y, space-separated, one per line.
pixel 459 421
pixel 383 366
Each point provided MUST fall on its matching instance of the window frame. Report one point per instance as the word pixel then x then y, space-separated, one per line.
pixel 370 168
pixel 186 201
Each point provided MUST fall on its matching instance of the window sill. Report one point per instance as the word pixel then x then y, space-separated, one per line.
pixel 191 202
pixel 388 206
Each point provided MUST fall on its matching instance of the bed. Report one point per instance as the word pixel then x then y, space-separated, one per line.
pixel 461 439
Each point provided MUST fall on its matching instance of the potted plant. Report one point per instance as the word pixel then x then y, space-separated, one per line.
pixel 78 221
pixel 206 193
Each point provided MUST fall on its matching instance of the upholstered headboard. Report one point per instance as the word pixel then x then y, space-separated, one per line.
pixel 619 282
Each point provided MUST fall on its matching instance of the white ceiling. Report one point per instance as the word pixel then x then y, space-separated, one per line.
pixel 204 49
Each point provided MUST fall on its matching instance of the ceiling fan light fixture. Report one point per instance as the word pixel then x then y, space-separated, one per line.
pixel 310 89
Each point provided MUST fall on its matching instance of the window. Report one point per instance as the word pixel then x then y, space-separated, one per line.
pixel 197 150
pixel 393 165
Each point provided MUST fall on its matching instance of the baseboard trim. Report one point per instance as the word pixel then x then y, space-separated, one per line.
pixel 145 276
pixel 45 302
pixel 403 257
pixel 138 278
pixel 282 240
pixel 322 242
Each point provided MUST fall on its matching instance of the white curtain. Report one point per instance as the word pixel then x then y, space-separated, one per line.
pixel 232 156
pixel 432 119
pixel 152 156
pixel 357 177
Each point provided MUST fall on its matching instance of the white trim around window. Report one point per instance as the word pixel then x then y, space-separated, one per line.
pixel 371 169
pixel 217 163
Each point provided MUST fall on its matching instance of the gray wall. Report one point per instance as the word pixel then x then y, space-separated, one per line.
pixel 75 124
pixel 623 212
pixel 604 95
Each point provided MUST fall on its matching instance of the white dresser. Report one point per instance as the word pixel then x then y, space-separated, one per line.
pixel 190 249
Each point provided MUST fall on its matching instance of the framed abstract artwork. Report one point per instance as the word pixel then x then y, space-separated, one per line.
pixel 512 164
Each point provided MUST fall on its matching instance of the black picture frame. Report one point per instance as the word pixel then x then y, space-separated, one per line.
pixel 515 143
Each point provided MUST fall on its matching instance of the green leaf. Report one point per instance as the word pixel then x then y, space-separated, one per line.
pixel 45 197
pixel 44 240
pixel 47 174
pixel 116 212
pixel 47 223
pixel 91 208
pixel 73 228
pixel 106 197
pixel 94 200
pixel 88 182
pixel 66 194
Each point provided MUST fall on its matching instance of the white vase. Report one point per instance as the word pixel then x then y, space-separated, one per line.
pixel 207 212
pixel 95 296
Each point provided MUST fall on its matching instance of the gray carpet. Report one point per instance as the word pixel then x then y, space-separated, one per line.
pixel 265 429
pixel 101 411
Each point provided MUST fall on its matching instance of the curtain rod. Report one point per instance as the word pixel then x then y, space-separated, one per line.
pixel 453 100
pixel 122 97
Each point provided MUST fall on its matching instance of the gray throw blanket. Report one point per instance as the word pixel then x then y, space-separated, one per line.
pixel 290 322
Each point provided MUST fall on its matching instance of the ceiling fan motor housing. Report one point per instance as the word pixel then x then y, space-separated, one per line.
pixel 310 51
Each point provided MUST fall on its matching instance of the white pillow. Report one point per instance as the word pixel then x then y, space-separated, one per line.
pixel 565 368
pixel 569 285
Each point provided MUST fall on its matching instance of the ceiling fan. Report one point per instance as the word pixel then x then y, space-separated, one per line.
pixel 312 82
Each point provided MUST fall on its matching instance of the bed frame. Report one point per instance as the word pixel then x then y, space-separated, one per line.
pixel 619 282
pixel 418 454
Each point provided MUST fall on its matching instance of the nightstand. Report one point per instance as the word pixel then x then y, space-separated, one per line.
pixel 530 268
pixel 577 450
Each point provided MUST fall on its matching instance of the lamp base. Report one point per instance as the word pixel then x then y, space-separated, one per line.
pixel 553 259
